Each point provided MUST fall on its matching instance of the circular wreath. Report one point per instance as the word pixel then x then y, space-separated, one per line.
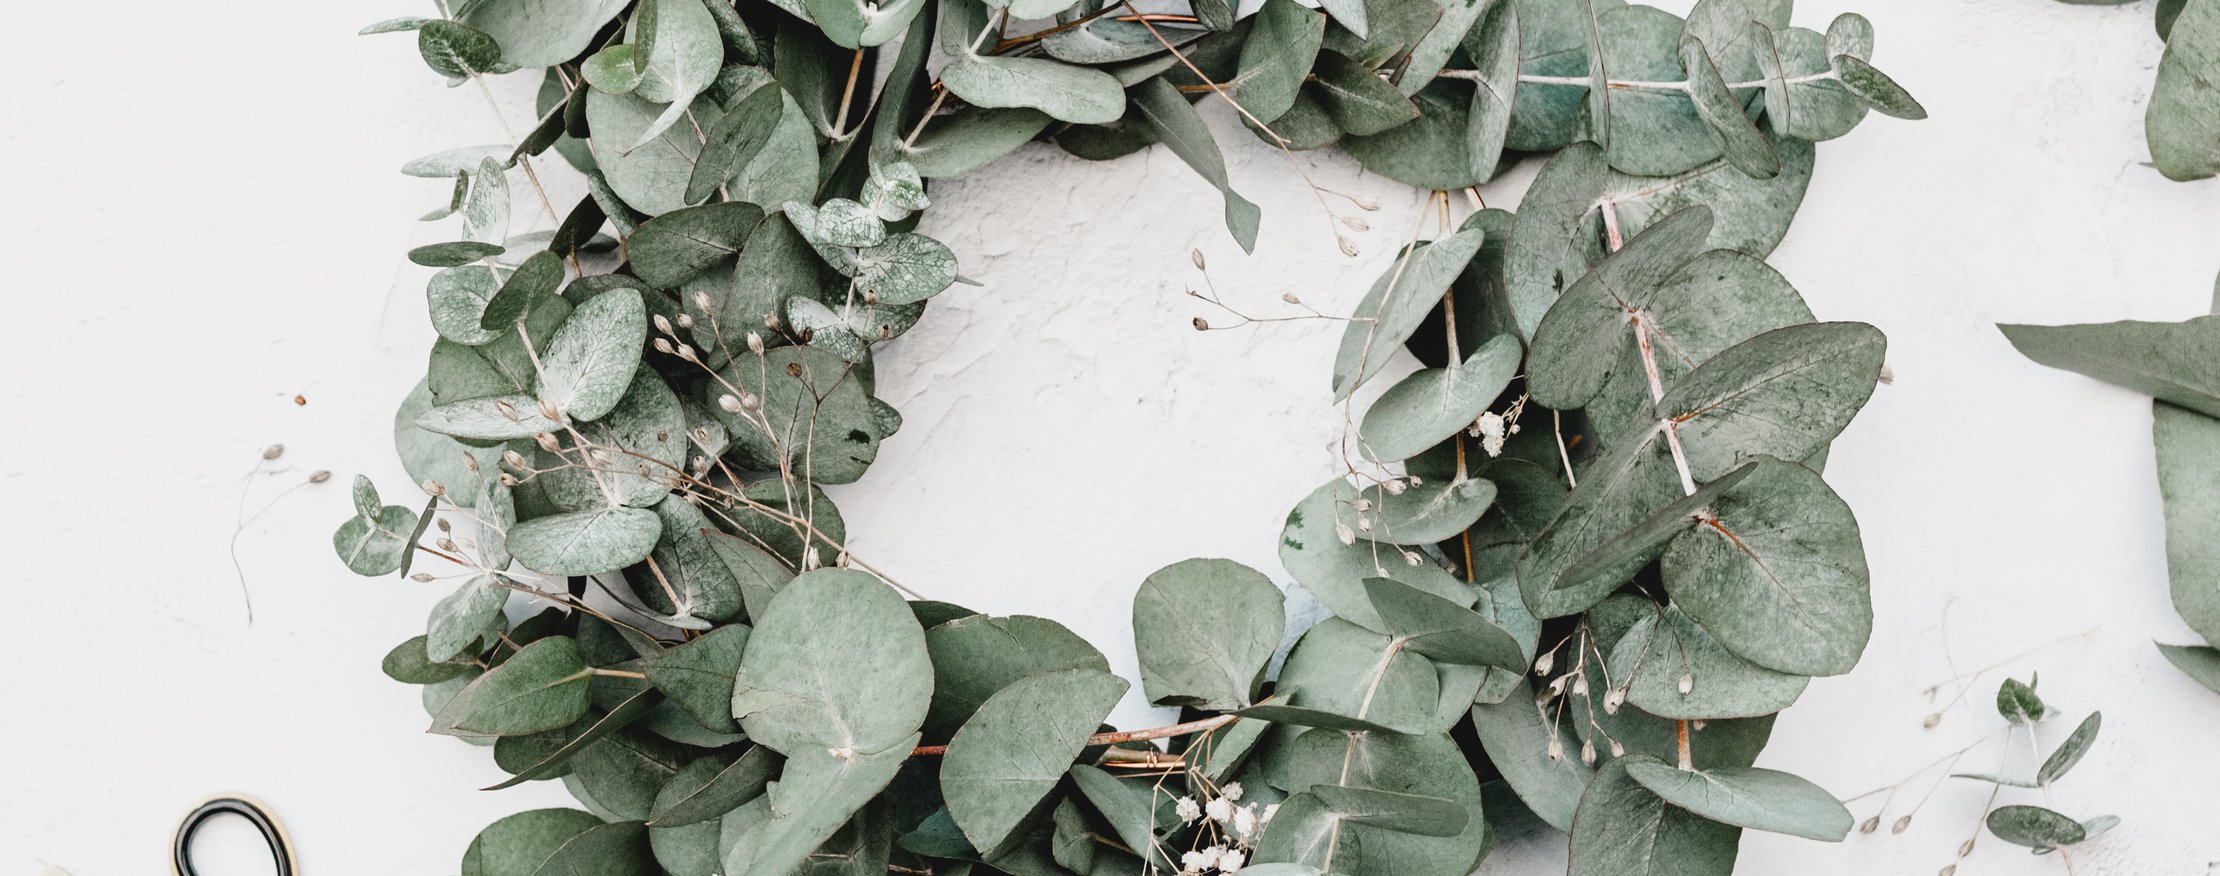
pixel 1607 473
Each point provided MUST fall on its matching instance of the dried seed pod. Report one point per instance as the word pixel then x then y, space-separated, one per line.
pixel 1870 825
pixel 1901 823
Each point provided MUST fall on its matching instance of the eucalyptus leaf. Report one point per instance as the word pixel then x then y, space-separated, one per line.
pixel 1204 630
pixel 1397 302
pixel 699 675
pixel 1433 404
pixel 542 687
pixel 708 788
pixel 1073 94
pixel 1008 757
pixel 1528 745
pixel 2198 662
pixel 836 663
pixel 1662 654
pixel 2035 827
pixel 1752 798
pixel 1624 829
pixel 586 542
pixel 518 844
pixel 975 656
pixel 2070 751
pixel 670 249
pixel 1277 57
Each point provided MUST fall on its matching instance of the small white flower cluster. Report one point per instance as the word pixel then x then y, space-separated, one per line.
pixel 1494 429
pixel 1239 825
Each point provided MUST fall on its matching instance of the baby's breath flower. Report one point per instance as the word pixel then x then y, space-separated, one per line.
pixel 1219 809
pixel 1187 810
pixel 1232 791
pixel 1231 860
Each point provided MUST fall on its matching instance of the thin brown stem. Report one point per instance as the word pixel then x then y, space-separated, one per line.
pixel 1116 737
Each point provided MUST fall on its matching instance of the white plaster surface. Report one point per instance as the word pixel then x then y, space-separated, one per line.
pixel 204 222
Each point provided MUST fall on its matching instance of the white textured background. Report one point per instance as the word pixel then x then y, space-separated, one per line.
pixel 204 220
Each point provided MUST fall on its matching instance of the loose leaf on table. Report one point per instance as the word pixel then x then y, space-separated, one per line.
pixel 1010 755
pixel 542 687
pixel 2070 751
pixel 838 662
pixel 1624 829
pixel 2035 827
pixel 1204 630
pixel 1752 798
pixel 518 844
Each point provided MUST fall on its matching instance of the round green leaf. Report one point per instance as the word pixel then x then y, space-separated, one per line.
pixel 837 662
pixel 586 542
pixel 1779 577
pixel 1204 630
pixel 519 844
pixel 1661 651
pixel 1433 404
pixel 1001 766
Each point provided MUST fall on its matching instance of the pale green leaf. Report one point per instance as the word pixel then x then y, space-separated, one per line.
pixel 543 686
pixel 1622 829
pixel 1395 305
pixel 1432 404
pixel 1779 575
pixel 1752 798
pixel 837 662
pixel 1079 95
pixel 586 542
pixel 1007 758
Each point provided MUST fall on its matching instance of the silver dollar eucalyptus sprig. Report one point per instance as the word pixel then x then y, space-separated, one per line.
pixel 1607 475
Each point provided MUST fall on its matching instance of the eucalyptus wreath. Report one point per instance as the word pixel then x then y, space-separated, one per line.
pixel 2182 121
pixel 1606 474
